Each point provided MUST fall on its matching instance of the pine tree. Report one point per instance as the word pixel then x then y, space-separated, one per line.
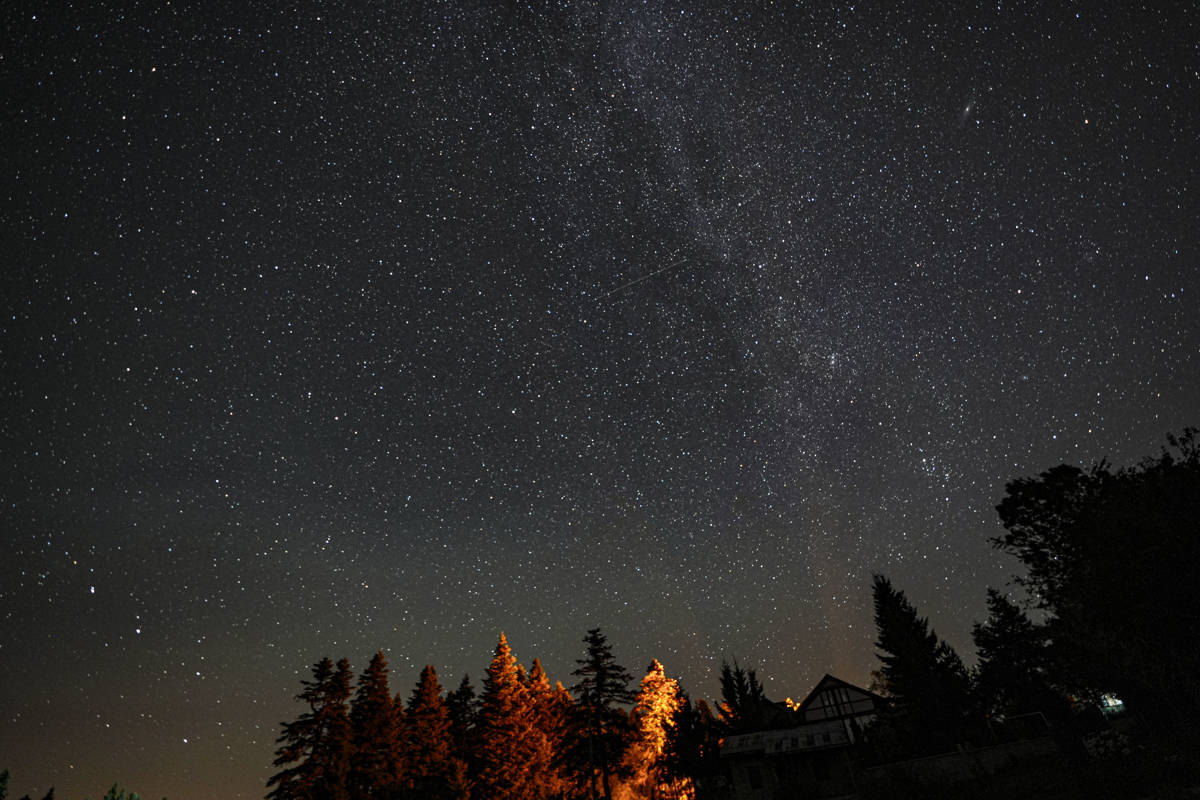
pixel 1014 660
pixel 503 731
pixel 115 792
pixel 656 706
pixel 432 765
pixel 922 674
pixel 604 726
pixel 549 709
pixel 315 749
pixel 693 747
pixel 743 707
pixel 463 708
pixel 375 765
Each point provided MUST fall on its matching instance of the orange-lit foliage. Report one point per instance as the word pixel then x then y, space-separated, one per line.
pixel 658 701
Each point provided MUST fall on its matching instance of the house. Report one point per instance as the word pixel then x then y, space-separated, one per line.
pixel 834 699
pixel 811 758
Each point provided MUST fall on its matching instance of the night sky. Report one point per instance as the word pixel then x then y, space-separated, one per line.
pixel 328 329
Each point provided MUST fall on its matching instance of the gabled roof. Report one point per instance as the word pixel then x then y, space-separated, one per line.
pixel 830 682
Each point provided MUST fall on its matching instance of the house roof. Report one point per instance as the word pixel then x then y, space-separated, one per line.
pixel 830 682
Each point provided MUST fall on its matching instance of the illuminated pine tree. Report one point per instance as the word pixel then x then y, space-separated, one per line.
pixel 549 709
pixel 658 702
pixel 503 731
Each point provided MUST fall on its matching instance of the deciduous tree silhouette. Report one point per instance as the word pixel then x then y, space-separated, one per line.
pixel 1115 557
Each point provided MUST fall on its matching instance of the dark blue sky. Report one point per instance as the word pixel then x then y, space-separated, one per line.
pixel 330 329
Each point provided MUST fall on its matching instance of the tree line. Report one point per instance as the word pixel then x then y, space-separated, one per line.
pixel 520 737
pixel 115 792
pixel 1111 559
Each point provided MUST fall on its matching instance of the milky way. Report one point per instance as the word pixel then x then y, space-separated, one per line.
pixel 332 329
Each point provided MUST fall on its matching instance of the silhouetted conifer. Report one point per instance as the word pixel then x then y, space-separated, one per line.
pixel 603 726
pixel 1012 676
pixel 375 767
pixel 115 792
pixel 923 675
pixel 315 749
pixel 463 708
pixel 693 747
pixel 744 708
pixel 430 748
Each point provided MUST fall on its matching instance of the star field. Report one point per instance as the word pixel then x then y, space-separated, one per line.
pixel 329 329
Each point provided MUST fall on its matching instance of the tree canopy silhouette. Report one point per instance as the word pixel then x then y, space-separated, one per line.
pixel 1114 556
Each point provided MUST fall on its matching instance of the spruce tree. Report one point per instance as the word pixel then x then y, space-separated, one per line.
pixel 374 766
pixel 604 726
pixel 432 765
pixel 1014 661
pixel 693 747
pixel 314 750
pixel 743 707
pixel 549 716
pixel 503 732
pixel 657 704
pixel 463 707
pixel 923 675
